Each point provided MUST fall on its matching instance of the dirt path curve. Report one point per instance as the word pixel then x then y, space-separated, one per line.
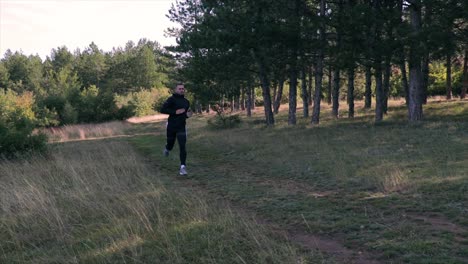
pixel 329 246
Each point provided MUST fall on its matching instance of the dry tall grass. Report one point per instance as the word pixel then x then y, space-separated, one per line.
pixel 85 131
pixel 97 202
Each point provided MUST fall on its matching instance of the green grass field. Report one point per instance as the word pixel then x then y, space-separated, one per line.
pixel 346 191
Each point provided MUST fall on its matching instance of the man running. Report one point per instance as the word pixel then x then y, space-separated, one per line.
pixel 178 109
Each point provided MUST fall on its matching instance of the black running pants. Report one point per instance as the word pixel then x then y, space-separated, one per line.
pixel 181 136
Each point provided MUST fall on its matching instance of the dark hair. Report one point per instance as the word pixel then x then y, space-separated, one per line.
pixel 178 83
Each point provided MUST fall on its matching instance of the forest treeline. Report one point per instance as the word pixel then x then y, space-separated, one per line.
pixel 306 50
pixel 323 49
pixel 78 87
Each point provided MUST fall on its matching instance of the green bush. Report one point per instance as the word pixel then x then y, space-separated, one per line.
pixel 54 103
pixel 159 103
pixel 106 108
pixel 17 122
pixel 142 103
pixel 14 141
pixel 87 105
pixel 125 112
pixel 69 115
pixel 46 117
pixel 222 121
pixel 438 80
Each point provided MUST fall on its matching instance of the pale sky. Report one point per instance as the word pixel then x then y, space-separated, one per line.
pixel 38 26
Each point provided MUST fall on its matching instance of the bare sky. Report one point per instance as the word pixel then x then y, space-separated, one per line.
pixel 38 26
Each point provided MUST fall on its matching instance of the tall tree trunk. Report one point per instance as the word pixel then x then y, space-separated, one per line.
pixel 318 88
pixel 269 118
pixel 465 75
pixel 425 77
pixel 275 89
pixel 248 103
pixel 426 56
pixel 337 70
pixel 386 83
pixel 319 70
pixel 388 61
pixel 415 111
pixel 336 92
pixel 449 76
pixel 402 57
pixel 292 95
pixel 305 96
pixel 198 108
pixel 279 95
pixel 329 97
pixel 294 69
pixel 252 95
pixel 368 90
pixel 311 74
pixel 378 92
pixel 242 104
pixel 351 92
pixel 404 78
pixel 376 42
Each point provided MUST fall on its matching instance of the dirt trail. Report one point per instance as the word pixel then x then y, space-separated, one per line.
pixel 329 246
pixel 440 223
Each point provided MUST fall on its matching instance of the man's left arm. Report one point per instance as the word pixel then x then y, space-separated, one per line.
pixel 189 112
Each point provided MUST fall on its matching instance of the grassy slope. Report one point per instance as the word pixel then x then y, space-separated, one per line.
pixel 100 202
pixel 395 190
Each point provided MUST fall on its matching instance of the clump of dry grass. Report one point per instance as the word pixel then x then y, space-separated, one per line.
pixel 97 202
pixel 86 131
pixel 391 180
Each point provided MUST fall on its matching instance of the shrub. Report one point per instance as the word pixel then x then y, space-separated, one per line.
pixel 54 103
pixel 46 117
pixel 69 115
pixel 159 103
pixel 17 121
pixel 88 100
pixel 106 108
pixel 223 120
pixel 142 103
pixel 125 112
pixel 14 141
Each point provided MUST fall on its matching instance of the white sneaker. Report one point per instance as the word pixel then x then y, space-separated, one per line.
pixel 183 170
pixel 166 153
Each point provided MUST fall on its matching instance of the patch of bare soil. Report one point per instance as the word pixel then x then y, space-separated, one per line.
pixel 294 187
pixel 439 222
pixel 330 246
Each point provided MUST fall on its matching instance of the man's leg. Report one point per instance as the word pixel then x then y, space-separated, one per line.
pixel 182 139
pixel 171 138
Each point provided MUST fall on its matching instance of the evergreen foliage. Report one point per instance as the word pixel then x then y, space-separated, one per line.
pixel 225 46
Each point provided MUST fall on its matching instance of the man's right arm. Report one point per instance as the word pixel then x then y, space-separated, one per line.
pixel 167 107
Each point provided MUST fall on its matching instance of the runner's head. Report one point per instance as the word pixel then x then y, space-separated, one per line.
pixel 179 89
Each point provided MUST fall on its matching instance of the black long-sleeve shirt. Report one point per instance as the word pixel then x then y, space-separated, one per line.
pixel 176 101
